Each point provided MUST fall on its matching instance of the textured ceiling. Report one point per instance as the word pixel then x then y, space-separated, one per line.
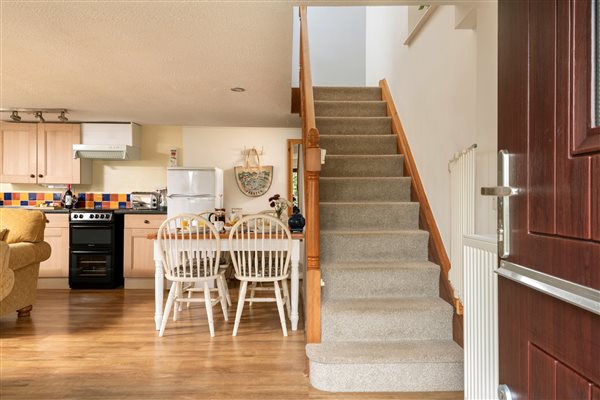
pixel 150 62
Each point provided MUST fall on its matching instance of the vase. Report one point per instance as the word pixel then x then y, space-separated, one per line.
pixel 296 222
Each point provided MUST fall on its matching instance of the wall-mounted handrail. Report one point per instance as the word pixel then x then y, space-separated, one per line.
pixel 312 170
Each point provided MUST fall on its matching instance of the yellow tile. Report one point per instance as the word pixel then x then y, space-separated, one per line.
pixel 48 196
pixel 114 204
pixel 122 197
pixel 97 196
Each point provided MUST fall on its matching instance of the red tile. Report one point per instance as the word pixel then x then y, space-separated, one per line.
pixel 8 202
pixel 16 196
pixel 106 204
pixel 39 196
pixel 114 197
pixel 31 203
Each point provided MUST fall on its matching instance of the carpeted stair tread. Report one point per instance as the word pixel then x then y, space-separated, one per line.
pixel 379 280
pixel 328 108
pixel 363 165
pixel 373 245
pixel 407 318
pixel 364 189
pixel 359 144
pixel 369 215
pixel 357 93
pixel 389 352
pixel 354 125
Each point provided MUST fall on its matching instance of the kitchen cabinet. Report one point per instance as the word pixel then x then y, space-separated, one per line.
pixel 138 259
pixel 57 235
pixel 41 153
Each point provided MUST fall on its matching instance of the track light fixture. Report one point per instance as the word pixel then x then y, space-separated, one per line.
pixel 37 113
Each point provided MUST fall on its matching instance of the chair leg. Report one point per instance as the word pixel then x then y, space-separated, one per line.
pixel 240 307
pixel 286 295
pixel 24 312
pixel 226 288
pixel 168 306
pixel 177 307
pixel 209 310
pixel 190 294
pixel 221 288
pixel 280 307
pixel 252 289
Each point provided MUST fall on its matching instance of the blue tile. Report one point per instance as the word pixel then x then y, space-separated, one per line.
pixel 128 197
pixel 24 203
pixel 7 196
pixel 97 205
pixel 105 196
pixel 1 202
pixel 56 196
pixel 81 197
pixel 32 196
pixel 122 204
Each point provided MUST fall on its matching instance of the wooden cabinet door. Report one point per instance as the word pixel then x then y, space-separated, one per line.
pixel 138 251
pixel 549 340
pixel 57 235
pixel 55 163
pixel 18 152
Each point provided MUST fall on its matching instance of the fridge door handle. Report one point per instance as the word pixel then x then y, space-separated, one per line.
pixel 196 196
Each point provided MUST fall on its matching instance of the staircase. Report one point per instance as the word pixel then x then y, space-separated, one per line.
pixel 384 327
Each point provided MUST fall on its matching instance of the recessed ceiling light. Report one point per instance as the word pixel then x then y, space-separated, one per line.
pixel 238 89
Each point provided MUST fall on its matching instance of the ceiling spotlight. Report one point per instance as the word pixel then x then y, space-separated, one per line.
pixel 62 117
pixel 238 89
pixel 38 115
pixel 15 116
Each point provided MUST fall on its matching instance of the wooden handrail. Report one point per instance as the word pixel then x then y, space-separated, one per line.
pixel 312 170
pixel 436 250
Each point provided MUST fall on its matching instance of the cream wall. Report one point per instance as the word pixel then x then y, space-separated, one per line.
pixel 149 173
pixel 222 147
pixel 444 87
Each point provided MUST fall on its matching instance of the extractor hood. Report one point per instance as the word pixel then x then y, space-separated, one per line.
pixel 110 141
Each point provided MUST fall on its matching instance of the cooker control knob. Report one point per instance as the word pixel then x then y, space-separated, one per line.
pixel 75 216
pixel 91 216
pixel 102 216
pixel 97 216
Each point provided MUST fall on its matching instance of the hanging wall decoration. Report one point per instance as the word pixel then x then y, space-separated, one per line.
pixel 253 179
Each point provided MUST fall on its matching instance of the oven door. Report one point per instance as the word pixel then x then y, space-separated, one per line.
pixel 91 268
pixel 91 236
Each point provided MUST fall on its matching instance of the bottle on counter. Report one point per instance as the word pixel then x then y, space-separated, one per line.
pixel 67 200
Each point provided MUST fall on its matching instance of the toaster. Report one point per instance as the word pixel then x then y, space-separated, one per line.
pixel 144 200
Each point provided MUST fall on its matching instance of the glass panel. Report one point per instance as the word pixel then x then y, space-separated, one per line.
pixel 596 59
pixel 89 236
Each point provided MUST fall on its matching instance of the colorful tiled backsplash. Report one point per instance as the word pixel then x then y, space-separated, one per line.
pixel 84 200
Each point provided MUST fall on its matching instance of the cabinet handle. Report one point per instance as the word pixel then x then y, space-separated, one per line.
pixel 146 221
pixel 32 176
pixel 40 176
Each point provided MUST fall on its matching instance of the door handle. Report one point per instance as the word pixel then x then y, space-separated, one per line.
pixel 503 192
pixel 504 393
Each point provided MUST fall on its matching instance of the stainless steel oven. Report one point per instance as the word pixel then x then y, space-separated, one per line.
pixel 96 249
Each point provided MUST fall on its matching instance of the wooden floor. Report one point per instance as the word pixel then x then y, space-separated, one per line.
pixel 102 345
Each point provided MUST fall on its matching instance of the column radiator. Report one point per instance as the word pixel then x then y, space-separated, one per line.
pixel 480 304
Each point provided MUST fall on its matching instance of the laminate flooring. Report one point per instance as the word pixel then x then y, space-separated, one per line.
pixel 81 344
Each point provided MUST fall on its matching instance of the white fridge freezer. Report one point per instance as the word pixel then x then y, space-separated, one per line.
pixel 194 190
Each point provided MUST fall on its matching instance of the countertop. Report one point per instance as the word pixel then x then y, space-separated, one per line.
pixel 118 211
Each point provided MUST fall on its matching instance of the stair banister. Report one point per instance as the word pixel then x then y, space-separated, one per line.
pixel 312 171
pixel 436 249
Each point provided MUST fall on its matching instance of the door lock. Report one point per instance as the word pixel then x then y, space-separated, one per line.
pixel 503 192
pixel 504 393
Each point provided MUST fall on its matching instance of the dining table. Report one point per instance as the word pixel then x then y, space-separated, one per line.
pixel 297 238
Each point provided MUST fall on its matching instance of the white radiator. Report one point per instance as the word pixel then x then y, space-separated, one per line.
pixel 480 304
pixel 462 211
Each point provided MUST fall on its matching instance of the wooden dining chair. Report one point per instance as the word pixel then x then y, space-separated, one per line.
pixel 190 249
pixel 260 247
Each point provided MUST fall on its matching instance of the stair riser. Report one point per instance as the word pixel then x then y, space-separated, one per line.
pixel 383 325
pixel 366 283
pixel 364 190
pixel 398 377
pixel 350 108
pixel 354 126
pixel 369 216
pixel 339 166
pixel 373 247
pixel 347 93
pixel 349 144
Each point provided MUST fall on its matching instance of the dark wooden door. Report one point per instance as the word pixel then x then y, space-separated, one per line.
pixel 550 348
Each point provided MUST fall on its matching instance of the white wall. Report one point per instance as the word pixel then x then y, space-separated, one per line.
pixel 337 45
pixel 222 147
pixel 444 88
